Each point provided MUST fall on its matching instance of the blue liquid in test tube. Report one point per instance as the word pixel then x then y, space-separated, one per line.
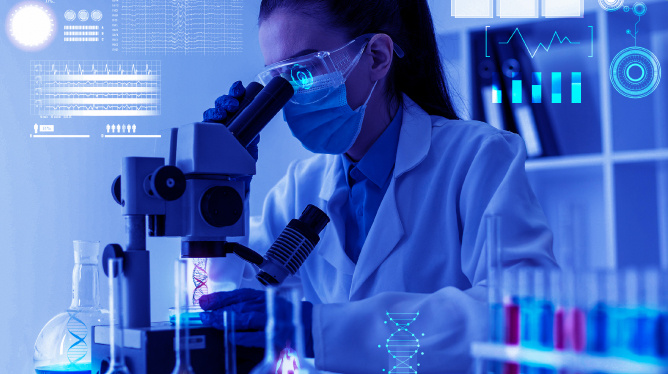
pixel 597 329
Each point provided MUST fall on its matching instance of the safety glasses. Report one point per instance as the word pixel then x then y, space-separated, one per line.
pixel 315 75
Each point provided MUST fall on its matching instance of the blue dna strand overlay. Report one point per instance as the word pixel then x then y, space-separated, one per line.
pixel 402 345
pixel 78 330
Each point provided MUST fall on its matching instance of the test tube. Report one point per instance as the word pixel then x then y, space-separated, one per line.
pixel 511 315
pixel 576 315
pixel 645 340
pixel 494 278
pixel 182 331
pixel 662 323
pixel 116 291
pixel 600 330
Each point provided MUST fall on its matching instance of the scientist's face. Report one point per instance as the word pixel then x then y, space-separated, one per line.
pixel 287 34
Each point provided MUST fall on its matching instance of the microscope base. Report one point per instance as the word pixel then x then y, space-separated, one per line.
pixel 151 350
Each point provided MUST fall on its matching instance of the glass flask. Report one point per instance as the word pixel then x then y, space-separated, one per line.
pixel 116 295
pixel 284 344
pixel 64 345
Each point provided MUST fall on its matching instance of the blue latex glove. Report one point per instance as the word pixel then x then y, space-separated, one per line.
pixel 225 107
pixel 250 316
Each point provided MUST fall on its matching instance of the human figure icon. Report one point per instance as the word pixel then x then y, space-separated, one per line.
pixel 35 128
pixel 123 127
pixel 108 128
pixel 118 128
pixel 134 128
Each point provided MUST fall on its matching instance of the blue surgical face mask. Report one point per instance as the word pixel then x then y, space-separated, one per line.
pixel 328 125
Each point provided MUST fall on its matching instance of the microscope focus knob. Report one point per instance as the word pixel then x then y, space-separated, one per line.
pixel 116 191
pixel 167 182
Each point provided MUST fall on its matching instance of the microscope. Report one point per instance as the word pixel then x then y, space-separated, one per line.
pixel 197 195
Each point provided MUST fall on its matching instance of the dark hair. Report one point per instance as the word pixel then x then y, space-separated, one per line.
pixel 419 74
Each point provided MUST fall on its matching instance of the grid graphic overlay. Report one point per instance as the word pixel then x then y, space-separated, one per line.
pixel 181 26
pixel 95 88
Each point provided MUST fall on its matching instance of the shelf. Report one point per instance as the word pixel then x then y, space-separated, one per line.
pixel 563 162
pixel 564 360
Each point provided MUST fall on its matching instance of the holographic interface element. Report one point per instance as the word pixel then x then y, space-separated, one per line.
pixel 95 88
pixel 288 362
pixel 301 77
pixel 31 25
pixel 200 278
pixel 78 329
pixel 540 45
pixel 611 5
pixel 181 26
pixel 402 345
pixel 635 72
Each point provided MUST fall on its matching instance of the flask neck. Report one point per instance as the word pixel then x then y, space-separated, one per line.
pixel 85 287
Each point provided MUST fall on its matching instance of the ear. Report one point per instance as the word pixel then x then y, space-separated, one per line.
pixel 381 49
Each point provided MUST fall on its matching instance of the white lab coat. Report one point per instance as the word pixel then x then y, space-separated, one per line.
pixel 424 251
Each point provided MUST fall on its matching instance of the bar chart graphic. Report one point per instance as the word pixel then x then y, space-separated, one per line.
pixel 95 88
pixel 181 26
pixel 517 92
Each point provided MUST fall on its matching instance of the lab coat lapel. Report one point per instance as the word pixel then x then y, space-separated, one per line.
pixel 387 228
pixel 334 192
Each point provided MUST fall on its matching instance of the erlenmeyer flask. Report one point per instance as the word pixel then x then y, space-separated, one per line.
pixel 284 345
pixel 116 293
pixel 63 345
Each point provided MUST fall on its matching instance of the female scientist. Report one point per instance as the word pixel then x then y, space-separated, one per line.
pixel 405 182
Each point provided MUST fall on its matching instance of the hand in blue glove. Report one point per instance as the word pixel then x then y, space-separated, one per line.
pixel 225 108
pixel 250 316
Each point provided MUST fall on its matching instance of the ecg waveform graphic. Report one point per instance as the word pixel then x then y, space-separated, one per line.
pixel 540 45
pixel 95 88
pixel 181 26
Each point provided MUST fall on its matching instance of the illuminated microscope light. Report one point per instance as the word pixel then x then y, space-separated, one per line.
pixel 31 25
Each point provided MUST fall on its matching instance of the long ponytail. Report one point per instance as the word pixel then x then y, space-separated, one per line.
pixel 419 74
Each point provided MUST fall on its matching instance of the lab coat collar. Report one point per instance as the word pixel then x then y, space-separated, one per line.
pixel 414 144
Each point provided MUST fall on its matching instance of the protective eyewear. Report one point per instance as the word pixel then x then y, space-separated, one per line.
pixel 314 76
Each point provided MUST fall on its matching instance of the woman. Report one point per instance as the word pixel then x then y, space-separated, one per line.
pixel 406 184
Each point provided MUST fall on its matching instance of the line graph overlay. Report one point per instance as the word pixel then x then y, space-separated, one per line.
pixel 181 26
pixel 546 48
pixel 95 88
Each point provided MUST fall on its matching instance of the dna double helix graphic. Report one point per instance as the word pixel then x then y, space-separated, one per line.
pixel 78 329
pixel 200 277
pixel 402 345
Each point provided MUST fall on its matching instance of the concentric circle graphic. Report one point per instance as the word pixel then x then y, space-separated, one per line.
pixel 83 15
pixel 611 5
pixel 70 15
pixel 635 72
pixel 639 9
pixel 96 15
pixel 301 77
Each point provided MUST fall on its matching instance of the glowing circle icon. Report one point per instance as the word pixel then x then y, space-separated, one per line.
pixel 635 72
pixel 70 15
pixel 611 5
pixel 83 15
pixel 31 25
pixel 639 9
pixel 301 77
pixel 96 15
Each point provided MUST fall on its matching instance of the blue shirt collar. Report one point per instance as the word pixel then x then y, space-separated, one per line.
pixel 378 162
